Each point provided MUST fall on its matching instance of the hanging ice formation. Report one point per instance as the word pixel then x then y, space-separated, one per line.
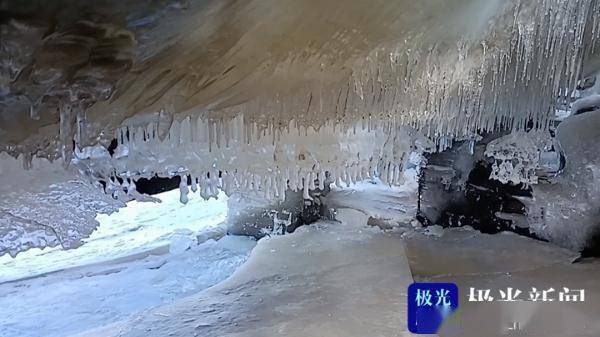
pixel 282 92
pixel 501 78
pixel 238 158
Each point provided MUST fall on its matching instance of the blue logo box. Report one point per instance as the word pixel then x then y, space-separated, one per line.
pixel 429 305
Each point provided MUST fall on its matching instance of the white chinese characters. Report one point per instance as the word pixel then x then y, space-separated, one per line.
pixel 534 295
pixel 424 298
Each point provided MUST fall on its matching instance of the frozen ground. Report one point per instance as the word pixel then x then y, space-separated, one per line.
pixel 347 279
pixel 330 279
pixel 327 279
pixel 114 275
pixel 497 262
pixel 324 280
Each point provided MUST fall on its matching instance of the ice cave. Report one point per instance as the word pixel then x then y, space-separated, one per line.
pixel 257 168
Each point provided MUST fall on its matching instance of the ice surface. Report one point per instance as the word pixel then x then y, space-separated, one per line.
pixel 346 279
pixel 67 302
pixel 145 255
pixel 329 279
pixel 495 262
pixel 338 279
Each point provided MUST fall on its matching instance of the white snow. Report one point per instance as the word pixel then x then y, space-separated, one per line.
pixel 135 229
pixel 146 255
pixel 378 200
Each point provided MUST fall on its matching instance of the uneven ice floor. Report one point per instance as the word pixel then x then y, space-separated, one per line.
pixel 329 279
pixel 347 279
pixel 113 275
pixel 496 262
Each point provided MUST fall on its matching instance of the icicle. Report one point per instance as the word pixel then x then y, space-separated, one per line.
pixel 256 182
pixel 276 183
pixel 267 188
pixel 311 181
pixel 294 180
pixel 66 132
pixel 383 174
pixel 283 186
pixel 132 188
pixel 305 193
pixel 194 186
pixel 354 174
pixel 214 183
pixel 340 180
pixel 183 190
pixel 321 178
pixel 397 173
pixel 125 185
pixel 34 112
pixel 205 186
pixel 334 175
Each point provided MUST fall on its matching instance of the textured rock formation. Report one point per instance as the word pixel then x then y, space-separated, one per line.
pixel 567 210
pixel 258 217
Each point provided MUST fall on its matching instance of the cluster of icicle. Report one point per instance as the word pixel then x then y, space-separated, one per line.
pixel 213 156
pixel 511 75
pixel 507 80
pixel 273 185
pixel 510 78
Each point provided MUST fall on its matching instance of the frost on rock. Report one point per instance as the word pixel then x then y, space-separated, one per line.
pixel 517 157
pixel 566 211
pixel 46 206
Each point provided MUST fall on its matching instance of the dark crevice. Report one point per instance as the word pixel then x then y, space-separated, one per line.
pixel 586 109
pixel 112 147
pixel 484 199
pixel 157 185
pixel 592 248
pixel 488 206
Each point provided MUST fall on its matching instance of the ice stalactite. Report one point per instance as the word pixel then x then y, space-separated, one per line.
pixel 493 79
pixel 502 72
pixel 241 159
pixel 243 109
pixel 66 131
pixel 427 68
pixel 183 190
